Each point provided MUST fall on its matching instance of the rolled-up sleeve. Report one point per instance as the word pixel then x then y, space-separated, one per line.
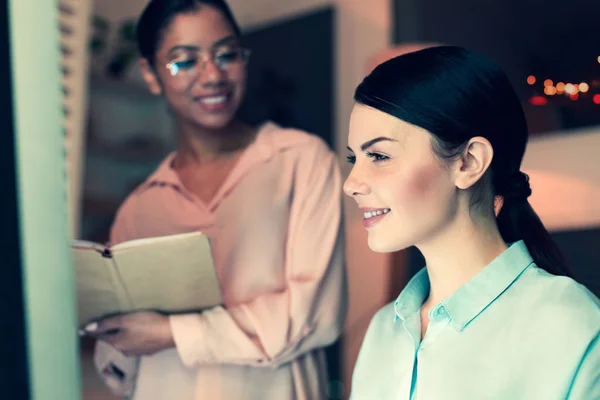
pixel 309 312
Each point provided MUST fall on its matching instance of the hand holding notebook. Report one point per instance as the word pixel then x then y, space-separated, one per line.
pixel 168 274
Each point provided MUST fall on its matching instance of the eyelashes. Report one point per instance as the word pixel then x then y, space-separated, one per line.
pixel 376 157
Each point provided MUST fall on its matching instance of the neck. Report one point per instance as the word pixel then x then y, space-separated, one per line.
pixel 201 145
pixel 459 253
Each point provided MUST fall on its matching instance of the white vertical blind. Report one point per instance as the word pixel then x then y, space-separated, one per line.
pixel 74 22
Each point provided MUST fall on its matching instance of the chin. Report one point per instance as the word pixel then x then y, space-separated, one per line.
pixel 385 245
pixel 215 122
pixel 218 120
pixel 378 245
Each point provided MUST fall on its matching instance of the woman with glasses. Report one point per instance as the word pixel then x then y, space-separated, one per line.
pixel 269 199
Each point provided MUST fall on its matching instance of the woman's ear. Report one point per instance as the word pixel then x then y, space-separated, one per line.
pixel 473 162
pixel 150 77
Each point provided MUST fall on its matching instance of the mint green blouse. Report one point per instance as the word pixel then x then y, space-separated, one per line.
pixel 512 332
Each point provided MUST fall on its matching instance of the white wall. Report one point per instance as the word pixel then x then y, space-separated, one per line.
pixel 363 29
pixel 564 173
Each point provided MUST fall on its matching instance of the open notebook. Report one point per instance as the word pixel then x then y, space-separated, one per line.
pixel 168 274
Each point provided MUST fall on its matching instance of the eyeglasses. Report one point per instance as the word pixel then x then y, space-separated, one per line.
pixel 225 59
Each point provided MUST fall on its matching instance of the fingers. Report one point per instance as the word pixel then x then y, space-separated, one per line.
pixel 114 339
pixel 108 326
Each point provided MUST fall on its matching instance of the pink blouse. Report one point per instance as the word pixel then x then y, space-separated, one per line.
pixel 276 231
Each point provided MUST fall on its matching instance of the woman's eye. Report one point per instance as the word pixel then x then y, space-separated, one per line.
pixel 228 56
pixel 185 64
pixel 377 157
pixel 175 67
pixel 351 159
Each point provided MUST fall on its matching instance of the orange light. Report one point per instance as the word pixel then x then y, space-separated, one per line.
pixel 548 82
pixel 574 96
pixel 550 90
pixel 598 59
pixel 584 87
pixel 570 88
pixel 596 99
pixel 541 100
pixel 531 79
pixel 560 88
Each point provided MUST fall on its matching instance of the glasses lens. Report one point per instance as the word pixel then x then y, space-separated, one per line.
pixel 230 57
pixel 224 59
pixel 182 66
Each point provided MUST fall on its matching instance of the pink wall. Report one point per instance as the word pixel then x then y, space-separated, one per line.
pixel 564 169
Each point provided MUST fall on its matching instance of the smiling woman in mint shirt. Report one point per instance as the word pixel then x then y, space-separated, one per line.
pixel 437 138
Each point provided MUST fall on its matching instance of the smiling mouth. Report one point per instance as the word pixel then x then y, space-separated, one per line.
pixel 376 213
pixel 216 102
pixel 216 98
pixel 211 100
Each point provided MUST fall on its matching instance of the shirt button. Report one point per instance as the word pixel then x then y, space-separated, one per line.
pixel 441 311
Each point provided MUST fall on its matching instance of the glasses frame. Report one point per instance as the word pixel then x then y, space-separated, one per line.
pixel 245 56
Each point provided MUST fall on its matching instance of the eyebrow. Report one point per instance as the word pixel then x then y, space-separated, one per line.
pixel 371 142
pixel 188 47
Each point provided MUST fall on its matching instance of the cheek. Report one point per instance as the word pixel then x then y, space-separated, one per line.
pixel 424 180
pixel 240 81
pixel 175 90
pixel 177 100
pixel 420 187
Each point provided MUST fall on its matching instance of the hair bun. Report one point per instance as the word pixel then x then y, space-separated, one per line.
pixel 515 187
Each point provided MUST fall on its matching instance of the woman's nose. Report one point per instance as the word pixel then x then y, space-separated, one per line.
pixel 355 185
